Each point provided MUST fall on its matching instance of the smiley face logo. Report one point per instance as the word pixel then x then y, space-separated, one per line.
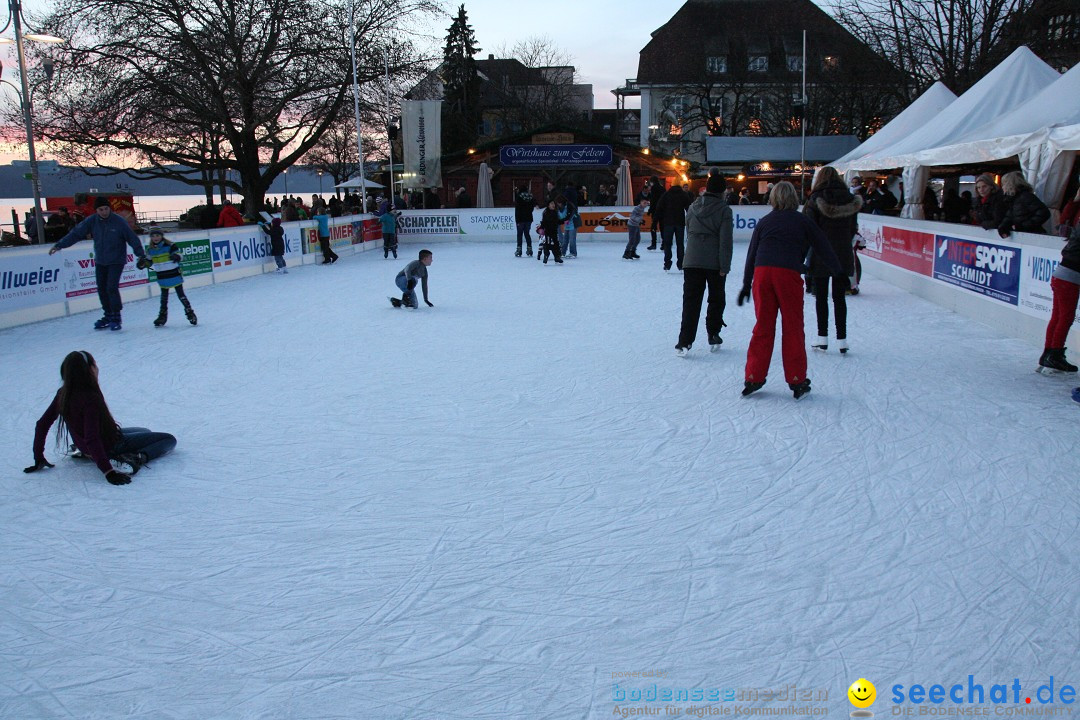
pixel 862 693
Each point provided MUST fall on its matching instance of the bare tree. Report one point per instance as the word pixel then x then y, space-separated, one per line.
pixel 546 92
pixel 191 90
pixel 955 41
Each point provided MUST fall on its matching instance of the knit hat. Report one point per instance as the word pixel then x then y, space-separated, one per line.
pixel 101 202
pixel 715 184
pixel 155 230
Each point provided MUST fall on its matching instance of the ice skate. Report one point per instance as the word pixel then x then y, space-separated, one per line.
pixel 682 351
pixel 191 315
pixel 842 346
pixel 750 387
pixel 162 318
pixel 115 323
pixel 715 341
pixel 517 253
pixel 394 301
pixel 800 389
pixel 821 344
pixel 1053 362
pixel 102 323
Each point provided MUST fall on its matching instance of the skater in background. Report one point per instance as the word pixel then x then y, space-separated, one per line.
pixel 633 226
pixel 568 212
pixel 329 256
pixel 406 280
pixel 163 256
pixel 774 265
pixel 835 210
pixel 549 226
pixel 671 211
pixel 654 190
pixel 111 233
pixel 524 203
pixel 709 226
pixel 85 420
pixel 1065 285
pixel 389 220
pixel 276 233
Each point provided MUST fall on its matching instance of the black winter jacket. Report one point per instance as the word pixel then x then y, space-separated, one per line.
pixel 1070 254
pixel 836 212
pixel 990 213
pixel 672 207
pixel 524 203
pixel 1024 212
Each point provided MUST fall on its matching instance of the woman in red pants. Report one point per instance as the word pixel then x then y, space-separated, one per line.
pixel 774 268
pixel 1065 285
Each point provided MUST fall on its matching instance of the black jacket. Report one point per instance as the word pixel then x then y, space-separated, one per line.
pixel 524 202
pixel 276 234
pixel 671 210
pixel 879 201
pixel 990 213
pixel 836 212
pixel 781 239
pixel 655 193
pixel 550 222
pixel 1070 254
pixel 1024 212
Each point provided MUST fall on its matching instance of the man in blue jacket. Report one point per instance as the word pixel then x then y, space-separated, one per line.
pixel 111 233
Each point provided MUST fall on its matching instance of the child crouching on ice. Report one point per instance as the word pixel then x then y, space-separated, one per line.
pixel 164 258
pixel 407 278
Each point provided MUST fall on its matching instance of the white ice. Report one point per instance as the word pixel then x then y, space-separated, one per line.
pixel 484 509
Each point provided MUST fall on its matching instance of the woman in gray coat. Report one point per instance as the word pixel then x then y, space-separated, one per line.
pixel 706 263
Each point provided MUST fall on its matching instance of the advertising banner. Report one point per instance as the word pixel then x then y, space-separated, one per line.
pixel 80 272
pixel 372 230
pixel 239 247
pixel 343 232
pixel 552 155
pixel 986 268
pixel 605 221
pixel 487 221
pixel 421 142
pixel 30 281
pixel 908 249
pixel 295 237
pixel 1036 297
pixel 196 254
pixel 414 223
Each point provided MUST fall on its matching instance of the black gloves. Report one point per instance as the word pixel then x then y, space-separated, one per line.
pixel 143 263
pixel 115 477
pixel 38 465
pixel 744 295
pixel 429 303
pixel 175 257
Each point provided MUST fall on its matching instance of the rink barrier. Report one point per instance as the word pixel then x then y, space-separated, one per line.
pixel 1000 282
pixel 36 286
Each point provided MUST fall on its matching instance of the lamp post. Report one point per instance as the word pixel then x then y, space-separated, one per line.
pixel 285 174
pixel 15 20
pixel 320 183
pixel 356 105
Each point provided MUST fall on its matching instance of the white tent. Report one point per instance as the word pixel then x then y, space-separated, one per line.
pixel 358 182
pixel 1019 77
pixel 1037 132
pixel 914 117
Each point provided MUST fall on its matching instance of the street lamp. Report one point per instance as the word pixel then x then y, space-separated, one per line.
pixel 320 183
pixel 285 174
pixel 15 20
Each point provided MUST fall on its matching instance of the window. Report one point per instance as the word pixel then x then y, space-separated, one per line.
pixel 830 62
pixel 753 108
pixel 676 106
pixel 716 64
pixel 758 63
pixel 794 63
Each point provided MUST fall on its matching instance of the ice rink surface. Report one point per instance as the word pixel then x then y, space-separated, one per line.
pixel 487 509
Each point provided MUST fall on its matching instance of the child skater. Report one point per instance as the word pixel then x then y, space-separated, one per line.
pixel 276 233
pixel 637 219
pixel 406 281
pixel 389 231
pixel 549 223
pixel 85 418
pixel 166 261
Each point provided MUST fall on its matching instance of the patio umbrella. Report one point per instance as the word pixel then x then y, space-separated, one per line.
pixel 625 194
pixel 484 198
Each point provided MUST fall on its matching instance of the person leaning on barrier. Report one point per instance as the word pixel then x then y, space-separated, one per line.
pixel 988 209
pixel 1024 211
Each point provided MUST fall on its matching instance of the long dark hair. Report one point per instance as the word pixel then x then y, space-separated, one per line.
pixel 77 372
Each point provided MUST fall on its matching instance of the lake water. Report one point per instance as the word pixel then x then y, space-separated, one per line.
pixel 148 207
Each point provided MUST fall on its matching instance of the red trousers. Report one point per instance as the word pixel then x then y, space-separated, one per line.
pixel 1064 312
pixel 777 290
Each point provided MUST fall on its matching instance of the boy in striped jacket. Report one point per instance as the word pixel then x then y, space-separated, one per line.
pixel 166 260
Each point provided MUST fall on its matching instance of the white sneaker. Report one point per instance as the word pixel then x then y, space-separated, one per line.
pixel 842 345
pixel 821 344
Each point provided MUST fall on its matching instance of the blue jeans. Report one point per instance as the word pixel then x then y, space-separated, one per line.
pixel 140 439
pixel 568 237
pixel 108 287
pixel 666 233
pixel 280 260
pixel 523 231
pixel 408 294
pixel 635 238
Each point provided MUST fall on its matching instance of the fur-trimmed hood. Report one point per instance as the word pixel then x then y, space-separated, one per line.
pixel 835 201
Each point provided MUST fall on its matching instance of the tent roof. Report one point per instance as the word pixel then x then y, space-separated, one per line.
pixel 356 182
pixel 819 148
pixel 914 117
pixel 1029 124
pixel 1010 84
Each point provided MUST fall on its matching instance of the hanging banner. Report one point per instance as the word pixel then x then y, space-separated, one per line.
pixel 421 141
